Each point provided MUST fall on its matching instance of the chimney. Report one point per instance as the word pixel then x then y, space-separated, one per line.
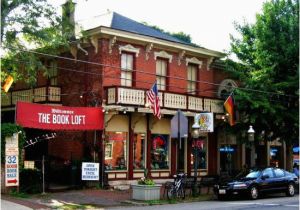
pixel 68 20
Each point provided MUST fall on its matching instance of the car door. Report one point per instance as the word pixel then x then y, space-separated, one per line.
pixel 267 180
pixel 280 179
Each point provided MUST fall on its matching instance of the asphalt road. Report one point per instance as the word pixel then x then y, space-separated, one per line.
pixel 277 202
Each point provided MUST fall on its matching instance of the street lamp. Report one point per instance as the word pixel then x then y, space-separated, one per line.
pixel 195 135
pixel 251 133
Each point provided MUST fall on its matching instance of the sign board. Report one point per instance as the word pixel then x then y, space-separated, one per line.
pixel 11 145
pixel 179 125
pixel 90 171
pixel 205 122
pixel 11 170
pixel 59 117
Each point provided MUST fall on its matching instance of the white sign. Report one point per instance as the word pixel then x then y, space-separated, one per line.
pixel 205 122
pixel 11 170
pixel 12 141
pixel 90 171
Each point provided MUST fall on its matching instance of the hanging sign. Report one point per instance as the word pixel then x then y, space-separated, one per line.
pixel 90 171
pixel 59 117
pixel 205 122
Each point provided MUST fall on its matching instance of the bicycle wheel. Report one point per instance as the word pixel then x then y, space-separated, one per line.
pixel 171 193
pixel 181 193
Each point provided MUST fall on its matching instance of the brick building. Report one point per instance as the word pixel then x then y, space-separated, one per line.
pixel 113 66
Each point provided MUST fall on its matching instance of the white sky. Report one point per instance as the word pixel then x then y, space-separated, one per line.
pixel 209 22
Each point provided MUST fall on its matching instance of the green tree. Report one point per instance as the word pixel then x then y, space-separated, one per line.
pixel 268 53
pixel 27 24
pixel 179 35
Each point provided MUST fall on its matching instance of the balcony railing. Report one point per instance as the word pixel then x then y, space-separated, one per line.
pixel 137 97
pixel 48 94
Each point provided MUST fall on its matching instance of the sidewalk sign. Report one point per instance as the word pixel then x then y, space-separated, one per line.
pixel 90 171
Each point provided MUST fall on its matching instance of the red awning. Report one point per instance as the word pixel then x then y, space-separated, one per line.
pixel 59 117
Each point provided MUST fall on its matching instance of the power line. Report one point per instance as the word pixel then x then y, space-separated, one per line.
pixel 149 73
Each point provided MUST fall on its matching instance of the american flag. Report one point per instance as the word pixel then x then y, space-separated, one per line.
pixel 152 96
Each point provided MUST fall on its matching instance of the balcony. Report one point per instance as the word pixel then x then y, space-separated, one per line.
pixel 48 94
pixel 171 101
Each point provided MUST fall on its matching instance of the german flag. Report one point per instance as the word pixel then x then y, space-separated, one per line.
pixel 229 107
pixel 8 82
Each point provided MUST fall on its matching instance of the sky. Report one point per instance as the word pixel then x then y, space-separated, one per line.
pixel 208 22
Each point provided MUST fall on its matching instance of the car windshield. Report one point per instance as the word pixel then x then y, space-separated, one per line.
pixel 253 174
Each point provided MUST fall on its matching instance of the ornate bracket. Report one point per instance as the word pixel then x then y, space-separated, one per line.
pixel 108 119
pixel 136 121
pixel 163 54
pixel 94 41
pixel 129 48
pixel 112 42
pixel 148 50
pixel 180 57
pixel 209 61
pixel 73 50
pixel 194 61
pixel 153 122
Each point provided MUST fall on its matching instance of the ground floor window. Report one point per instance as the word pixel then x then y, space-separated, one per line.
pixel 199 154
pixel 116 151
pixel 139 150
pixel 159 151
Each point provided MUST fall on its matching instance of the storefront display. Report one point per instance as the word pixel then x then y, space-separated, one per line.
pixel 159 151
pixel 115 151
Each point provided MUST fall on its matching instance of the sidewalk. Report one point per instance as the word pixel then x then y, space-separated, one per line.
pixel 89 198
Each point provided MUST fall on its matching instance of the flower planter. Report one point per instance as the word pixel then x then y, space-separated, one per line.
pixel 146 192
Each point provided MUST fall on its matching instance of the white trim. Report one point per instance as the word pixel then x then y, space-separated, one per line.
pixel 163 54
pixel 194 60
pixel 129 48
pixel 143 38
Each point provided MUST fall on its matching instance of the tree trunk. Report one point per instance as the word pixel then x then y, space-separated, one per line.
pixel 289 156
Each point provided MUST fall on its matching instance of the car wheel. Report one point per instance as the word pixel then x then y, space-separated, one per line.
pixel 290 190
pixel 253 192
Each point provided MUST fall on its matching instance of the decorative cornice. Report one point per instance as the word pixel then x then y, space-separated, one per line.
pixel 129 48
pixel 180 56
pixel 112 42
pixel 130 35
pixel 163 54
pixel 194 61
pixel 148 50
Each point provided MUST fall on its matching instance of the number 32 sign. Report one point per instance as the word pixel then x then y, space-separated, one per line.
pixel 11 170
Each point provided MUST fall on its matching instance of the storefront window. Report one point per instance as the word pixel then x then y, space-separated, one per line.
pixel 159 151
pixel 200 145
pixel 115 151
pixel 139 151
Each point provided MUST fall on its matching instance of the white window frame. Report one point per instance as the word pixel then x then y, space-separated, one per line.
pixel 161 77
pixel 126 73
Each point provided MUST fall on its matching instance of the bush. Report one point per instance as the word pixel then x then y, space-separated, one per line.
pixel 30 181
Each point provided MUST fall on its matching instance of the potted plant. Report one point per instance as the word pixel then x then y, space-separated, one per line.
pixel 146 189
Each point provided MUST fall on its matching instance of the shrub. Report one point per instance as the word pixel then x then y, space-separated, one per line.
pixel 30 181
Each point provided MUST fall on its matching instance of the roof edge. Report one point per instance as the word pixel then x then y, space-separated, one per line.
pixel 131 35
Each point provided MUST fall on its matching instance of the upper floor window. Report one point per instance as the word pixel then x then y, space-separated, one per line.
pixel 192 79
pixel 126 69
pixel 53 73
pixel 161 73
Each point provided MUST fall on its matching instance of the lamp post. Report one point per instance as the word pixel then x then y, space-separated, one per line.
pixel 195 135
pixel 251 133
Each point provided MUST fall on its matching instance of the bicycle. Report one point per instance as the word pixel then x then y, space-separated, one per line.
pixel 177 188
